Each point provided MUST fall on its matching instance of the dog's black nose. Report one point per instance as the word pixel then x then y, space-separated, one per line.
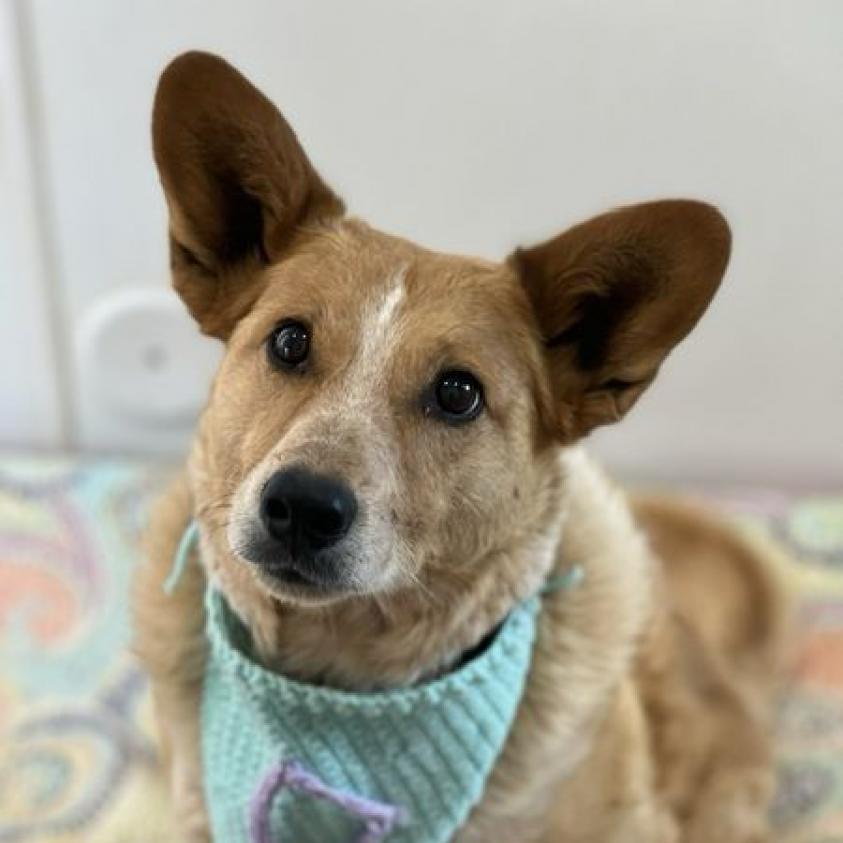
pixel 307 511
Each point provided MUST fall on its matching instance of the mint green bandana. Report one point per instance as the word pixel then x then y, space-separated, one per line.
pixel 288 762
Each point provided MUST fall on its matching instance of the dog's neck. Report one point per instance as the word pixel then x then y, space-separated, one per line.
pixel 585 649
pixel 412 634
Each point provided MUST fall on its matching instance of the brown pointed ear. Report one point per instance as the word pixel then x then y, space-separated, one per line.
pixel 237 184
pixel 613 295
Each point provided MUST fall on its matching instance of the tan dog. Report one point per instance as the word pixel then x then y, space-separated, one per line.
pixel 387 464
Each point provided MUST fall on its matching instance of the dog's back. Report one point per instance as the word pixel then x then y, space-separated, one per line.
pixel 711 666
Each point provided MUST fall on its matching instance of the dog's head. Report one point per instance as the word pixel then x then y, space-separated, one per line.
pixel 385 416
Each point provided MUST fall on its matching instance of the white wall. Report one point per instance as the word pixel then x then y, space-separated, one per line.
pixel 475 125
pixel 30 405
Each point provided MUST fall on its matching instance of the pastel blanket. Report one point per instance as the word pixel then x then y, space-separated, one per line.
pixel 77 759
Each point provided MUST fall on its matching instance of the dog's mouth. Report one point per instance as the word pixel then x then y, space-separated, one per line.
pixel 292 585
pixel 309 577
pixel 290 576
pixel 301 577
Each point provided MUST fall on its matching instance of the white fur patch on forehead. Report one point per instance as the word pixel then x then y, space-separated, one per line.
pixel 377 327
pixel 379 330
pixel 379 333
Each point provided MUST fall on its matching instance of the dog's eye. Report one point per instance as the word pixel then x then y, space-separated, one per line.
pixel 289 344
pixel 458 396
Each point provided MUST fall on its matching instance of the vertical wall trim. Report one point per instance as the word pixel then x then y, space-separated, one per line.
pixel 52 293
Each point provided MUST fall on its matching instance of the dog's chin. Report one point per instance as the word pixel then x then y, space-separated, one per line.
pixel 293 588
pixel 328 578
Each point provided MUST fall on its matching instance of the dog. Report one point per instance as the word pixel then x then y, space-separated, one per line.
pixel 390 462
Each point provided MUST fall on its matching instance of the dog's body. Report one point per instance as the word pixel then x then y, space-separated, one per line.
pixel 435 403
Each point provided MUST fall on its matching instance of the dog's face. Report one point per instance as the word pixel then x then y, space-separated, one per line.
pixel 375 415
pixel 385 418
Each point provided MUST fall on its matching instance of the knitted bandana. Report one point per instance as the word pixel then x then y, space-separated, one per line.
pixel 288 762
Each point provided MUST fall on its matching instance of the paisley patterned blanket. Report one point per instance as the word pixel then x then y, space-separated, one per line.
pixel 77 762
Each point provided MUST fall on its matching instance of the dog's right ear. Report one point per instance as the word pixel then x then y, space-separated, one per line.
pixel 237 184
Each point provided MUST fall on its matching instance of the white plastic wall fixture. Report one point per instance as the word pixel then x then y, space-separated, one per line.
pixel 144 370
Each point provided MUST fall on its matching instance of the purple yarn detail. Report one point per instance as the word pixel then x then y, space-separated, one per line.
pixel 379 818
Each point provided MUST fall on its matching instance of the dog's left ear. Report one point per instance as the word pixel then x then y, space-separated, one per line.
pixel 613 295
